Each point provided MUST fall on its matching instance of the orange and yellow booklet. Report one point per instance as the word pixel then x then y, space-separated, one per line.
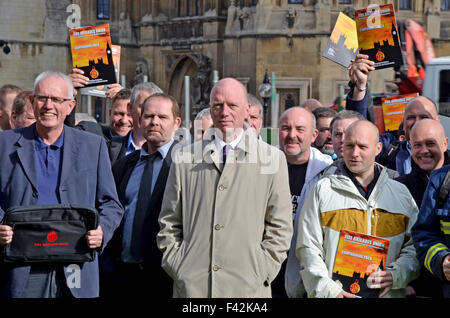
pixel 378 35
pixel 359 255
pixel 394 110
pixel 91 52
pixel 343 43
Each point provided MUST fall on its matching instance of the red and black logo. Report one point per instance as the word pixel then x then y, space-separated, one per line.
pixel 52 236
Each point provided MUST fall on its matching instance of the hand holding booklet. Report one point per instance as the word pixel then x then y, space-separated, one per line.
pixel 357 257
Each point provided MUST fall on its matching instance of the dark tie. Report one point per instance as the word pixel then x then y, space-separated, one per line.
pixel 225 150
pixel 143 200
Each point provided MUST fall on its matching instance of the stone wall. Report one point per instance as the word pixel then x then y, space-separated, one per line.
pixel 238 41
pixel 38 38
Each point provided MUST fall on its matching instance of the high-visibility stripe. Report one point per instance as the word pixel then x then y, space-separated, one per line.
pixel 431 252
pixel 445 227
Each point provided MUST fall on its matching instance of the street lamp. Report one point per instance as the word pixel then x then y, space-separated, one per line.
pixel 6 49
pixel 265 91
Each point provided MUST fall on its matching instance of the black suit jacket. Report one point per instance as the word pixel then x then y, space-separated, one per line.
pixel 117 145
pixel 122 170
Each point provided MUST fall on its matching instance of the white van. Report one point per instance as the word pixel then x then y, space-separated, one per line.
pixel 437 87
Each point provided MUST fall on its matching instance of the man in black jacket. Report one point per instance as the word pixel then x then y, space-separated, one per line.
pixel 429 152
pixel 120 125
pixel 132 262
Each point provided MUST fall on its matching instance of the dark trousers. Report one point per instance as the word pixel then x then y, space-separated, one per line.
pixel 46 281
pixel 135 281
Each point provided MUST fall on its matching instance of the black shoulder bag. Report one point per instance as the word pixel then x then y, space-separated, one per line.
pixel 49 233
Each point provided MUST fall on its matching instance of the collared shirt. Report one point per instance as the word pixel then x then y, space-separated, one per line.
pixel 48 163
pixel 220 143
pixel 365 191
pixel 131 195
pixel 131 146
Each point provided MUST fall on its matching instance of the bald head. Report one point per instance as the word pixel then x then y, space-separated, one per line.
pixel 230 83
pixel 427 103
pixel 365 126
pixel 299 112
pixel 311 104
pixel 417 109
pixel 428 144
pixel 427 127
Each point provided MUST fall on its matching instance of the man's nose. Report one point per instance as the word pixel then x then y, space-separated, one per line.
pixel 155 121
pixel 291 133
pixel 355 152
pixel 225 110
pixel 422 149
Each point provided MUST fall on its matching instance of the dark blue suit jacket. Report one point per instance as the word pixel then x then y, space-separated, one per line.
pixel 86 179
pixel 152 256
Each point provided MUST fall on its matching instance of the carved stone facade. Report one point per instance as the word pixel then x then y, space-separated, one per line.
pixel 164 41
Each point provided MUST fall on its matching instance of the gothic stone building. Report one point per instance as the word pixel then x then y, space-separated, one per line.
pixel 164 41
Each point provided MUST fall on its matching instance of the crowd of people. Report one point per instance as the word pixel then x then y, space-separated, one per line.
pixel 226 215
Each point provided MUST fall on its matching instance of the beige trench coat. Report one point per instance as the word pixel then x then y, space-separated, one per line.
pixel 226 229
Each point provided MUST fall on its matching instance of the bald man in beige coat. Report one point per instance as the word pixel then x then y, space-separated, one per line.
pixel 226 225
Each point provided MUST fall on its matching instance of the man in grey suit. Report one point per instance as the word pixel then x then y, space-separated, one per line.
pixel 226 216
pixel 49 163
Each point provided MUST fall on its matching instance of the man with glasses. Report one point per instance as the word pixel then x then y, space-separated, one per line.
pixel 49 163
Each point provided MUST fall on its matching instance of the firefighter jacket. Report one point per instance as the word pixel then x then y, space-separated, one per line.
pixel 431 233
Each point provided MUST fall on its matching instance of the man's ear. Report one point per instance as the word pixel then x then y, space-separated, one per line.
pixel 72 104
pixel 178 122
pixel 379 146
pixel 315 133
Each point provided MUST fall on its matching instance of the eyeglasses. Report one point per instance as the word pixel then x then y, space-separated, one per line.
pixel 55 100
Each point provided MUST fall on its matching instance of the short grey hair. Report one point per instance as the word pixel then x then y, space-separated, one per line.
pixel 149 87
pixel 345 114
pixel 203 113
pixel 324 112
pixel 254 102
pixel 60 75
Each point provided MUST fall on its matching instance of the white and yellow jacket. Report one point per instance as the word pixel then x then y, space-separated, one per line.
pixel 335 204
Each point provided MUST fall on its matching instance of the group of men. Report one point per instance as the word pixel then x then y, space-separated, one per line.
pixel 227 215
